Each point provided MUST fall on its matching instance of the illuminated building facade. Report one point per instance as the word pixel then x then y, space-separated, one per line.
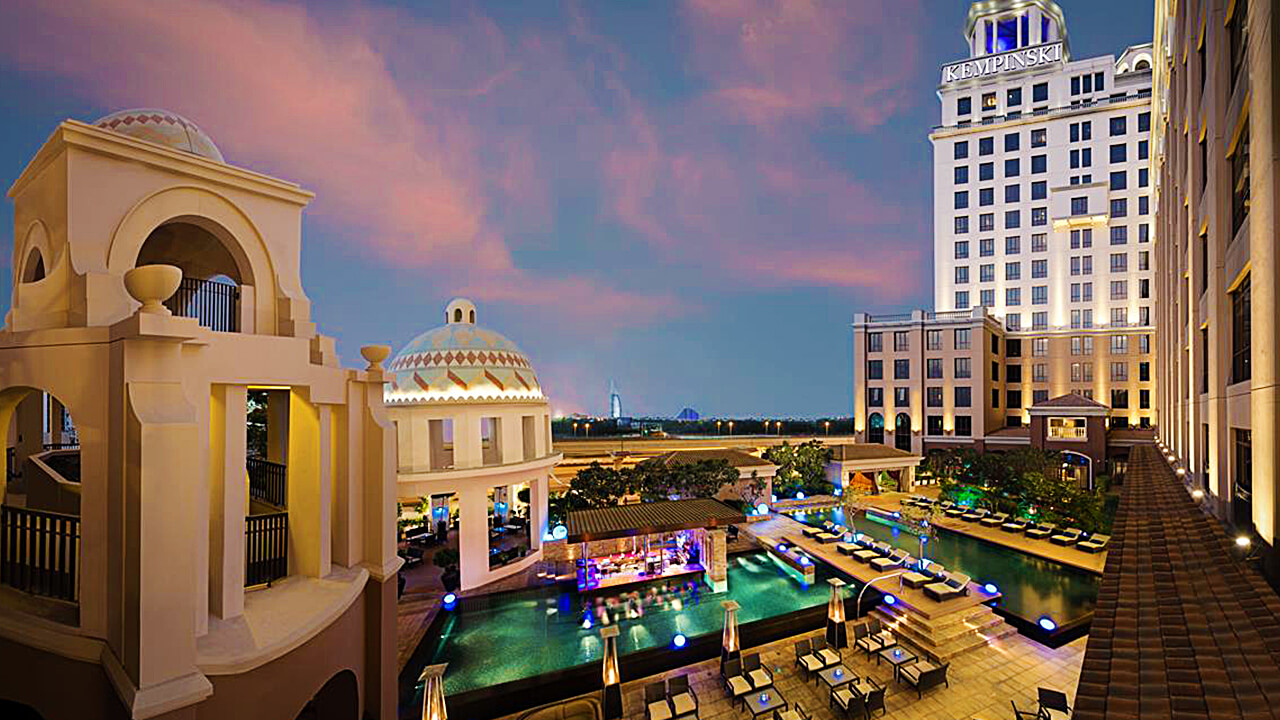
pixel 1042 226
pixel 1215 181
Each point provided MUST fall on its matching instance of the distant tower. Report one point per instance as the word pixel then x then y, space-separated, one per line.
pixel 615 402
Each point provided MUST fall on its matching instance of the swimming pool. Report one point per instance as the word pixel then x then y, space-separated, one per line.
pixel 1031 587
pixel 499 638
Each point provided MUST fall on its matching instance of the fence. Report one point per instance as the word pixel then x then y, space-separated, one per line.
pixel 266 548
pixel 39 552
pixel 266 481
pixel 215 304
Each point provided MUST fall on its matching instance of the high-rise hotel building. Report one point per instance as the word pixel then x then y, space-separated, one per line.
pixel 1042 243
pixel 1217 199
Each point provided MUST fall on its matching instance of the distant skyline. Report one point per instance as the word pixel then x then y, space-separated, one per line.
pixel 688 198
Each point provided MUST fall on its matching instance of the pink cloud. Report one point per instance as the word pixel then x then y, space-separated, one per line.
pixel 393 156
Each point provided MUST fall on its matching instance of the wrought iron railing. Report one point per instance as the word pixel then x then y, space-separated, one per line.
pixel 40 552
pixel 215 304
pixel 266 481
pixel 65 445
pixel 266 548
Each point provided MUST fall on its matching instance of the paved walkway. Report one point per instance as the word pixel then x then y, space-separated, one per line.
pixel 982 683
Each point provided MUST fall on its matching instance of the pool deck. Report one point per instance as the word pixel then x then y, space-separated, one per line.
pixel 981 684
pixel 1079 559
pixel 945 628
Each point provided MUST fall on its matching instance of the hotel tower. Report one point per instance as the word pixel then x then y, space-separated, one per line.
pixel 1216 194
pixel 1043 265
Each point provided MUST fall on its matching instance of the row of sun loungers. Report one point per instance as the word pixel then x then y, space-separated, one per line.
pixel 1035 531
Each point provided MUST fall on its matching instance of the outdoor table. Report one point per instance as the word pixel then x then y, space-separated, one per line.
pixel 897 657
pixel 836 676
pixel 765 702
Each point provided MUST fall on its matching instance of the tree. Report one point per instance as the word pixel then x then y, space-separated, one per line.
pixel 703 478
pixel 801 467
pixel 598 486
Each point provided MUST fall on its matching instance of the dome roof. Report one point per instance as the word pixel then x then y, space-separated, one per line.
pixel 460 361
pixel 162 128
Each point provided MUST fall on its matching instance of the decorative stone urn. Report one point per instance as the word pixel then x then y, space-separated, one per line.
pixel 375 354
pixel 151 285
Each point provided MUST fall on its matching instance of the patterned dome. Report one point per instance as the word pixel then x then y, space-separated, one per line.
pixel 460 361
pixel 162 128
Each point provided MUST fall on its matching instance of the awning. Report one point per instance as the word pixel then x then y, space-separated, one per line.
pixel 650 518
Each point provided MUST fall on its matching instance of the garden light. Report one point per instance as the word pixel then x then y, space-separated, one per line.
pixel 1197 494
pixel 1046 623
pixel 679 640
pixel 762 509
pixel 890 600
pixel 991 588
pixel 799 495
pixel 1243 541
pixel 560 532
pixel 450 601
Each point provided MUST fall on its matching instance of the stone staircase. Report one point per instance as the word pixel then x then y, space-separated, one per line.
pixel 948 636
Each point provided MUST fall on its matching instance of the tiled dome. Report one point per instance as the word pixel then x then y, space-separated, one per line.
pixel 162 128
pixel 460 361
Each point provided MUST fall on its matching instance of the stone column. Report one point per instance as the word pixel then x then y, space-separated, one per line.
pixel 537 511
pixel 715 560
pixel 308 487
pixel 228 490
pixel 473 535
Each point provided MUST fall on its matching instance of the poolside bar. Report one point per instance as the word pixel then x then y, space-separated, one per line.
pixel 628 544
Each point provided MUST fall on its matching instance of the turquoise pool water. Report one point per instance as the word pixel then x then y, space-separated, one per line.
pixel 1031 587
pixel 510 636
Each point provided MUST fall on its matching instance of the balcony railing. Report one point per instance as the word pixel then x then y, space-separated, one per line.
pixel 39 552
pixel 215 304
pixel 266 481
pixel 266 548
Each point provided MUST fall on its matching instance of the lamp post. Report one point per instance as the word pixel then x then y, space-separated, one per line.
pixel 588 426
pixel 730 427
pixel 826 424
pixel 837 636
pixel 730 648
pixel 575 429
pixel 433 693
pixel 612 693
pixel 717 427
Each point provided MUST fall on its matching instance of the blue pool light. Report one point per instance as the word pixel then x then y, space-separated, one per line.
pixel 679 640
pixel 991 588
pixel 762 509
pixel 890 600
pixel 897 514
pixel 924 539
pixel 450 601
pixel 1046 623
pixel 773 498
pixel 799 495
pixel 839 492
pixel 560 532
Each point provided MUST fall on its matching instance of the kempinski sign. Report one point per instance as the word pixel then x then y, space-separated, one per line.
pixel 1023 59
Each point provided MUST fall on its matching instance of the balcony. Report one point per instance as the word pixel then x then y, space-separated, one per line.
pixel 40 552
pixel 215 304
pixel 266 528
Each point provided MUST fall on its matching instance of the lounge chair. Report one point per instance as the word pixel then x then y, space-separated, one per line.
pixel 847 548
pixel 1015 526
pixel 656 706
pixel 1040 532
pixel 736 685
pixel 829 656
pixel 924 675
pixel 684 701
pixel 1070 537
pixel 1095 544
pixel 880 549
pixel 849 703
pixel 898 557
pixel 953 585
pixel 956 511
pixel 795 713
pixel 805 659
pixel 946 505
pixel 975 515
pixel 827 538
pixel 759 677
pixel 875 698
pixel 995 520
pixel 924 574
pixel 811 531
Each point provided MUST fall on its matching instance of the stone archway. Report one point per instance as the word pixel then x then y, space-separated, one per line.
pixel 337 699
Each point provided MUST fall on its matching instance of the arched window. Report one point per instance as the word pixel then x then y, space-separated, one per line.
pixel 1142 65
pixel 33 269
pixel 875 428
pixel 457 314
pixel 211 276
pixel 902 432
pixel 472 319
